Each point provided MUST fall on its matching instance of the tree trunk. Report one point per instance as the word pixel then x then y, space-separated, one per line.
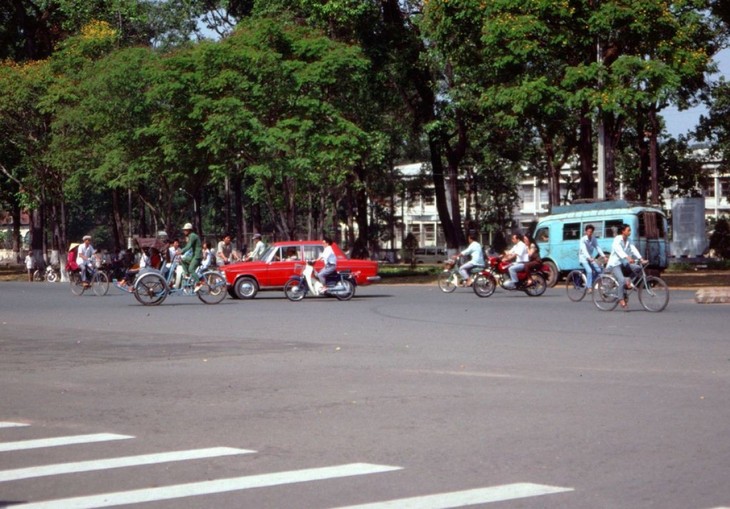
pixel 585 154
pixel 653 156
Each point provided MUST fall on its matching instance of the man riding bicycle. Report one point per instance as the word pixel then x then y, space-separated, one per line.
pixel 588 247
pixel 84 259
pixel 621 260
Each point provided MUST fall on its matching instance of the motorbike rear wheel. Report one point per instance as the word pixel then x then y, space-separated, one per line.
pixel 150 290
pixel 538 286
pixel 484 285
pixel 52 276
pixel 347 292
pixel 294 290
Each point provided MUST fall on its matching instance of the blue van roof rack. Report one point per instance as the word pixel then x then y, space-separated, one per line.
pixel 588 204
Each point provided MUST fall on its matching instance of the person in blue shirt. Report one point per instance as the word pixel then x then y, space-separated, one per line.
pixel 475 252
pixel 587 254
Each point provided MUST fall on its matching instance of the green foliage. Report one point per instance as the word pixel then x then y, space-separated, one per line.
pixel 720 238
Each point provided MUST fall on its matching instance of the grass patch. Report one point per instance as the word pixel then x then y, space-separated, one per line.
pixel 708 264
pixel 398 271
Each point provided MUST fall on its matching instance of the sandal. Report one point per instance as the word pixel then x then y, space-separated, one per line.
pixel 622 303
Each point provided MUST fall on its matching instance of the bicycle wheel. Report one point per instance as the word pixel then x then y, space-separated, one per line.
pixel 100 284
pixel 448 281
pixel 38 275
pixel 484 285
pixel 77 286
pixel 575 285
pixel 214 288
pixel 537 287
pixel 294 290
pixel 605 293
pixel 655 295
pixel 150 290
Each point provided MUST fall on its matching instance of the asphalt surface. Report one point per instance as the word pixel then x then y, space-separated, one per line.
pixel 403 392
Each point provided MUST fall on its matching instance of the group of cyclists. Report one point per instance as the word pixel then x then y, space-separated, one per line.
pixel 524 254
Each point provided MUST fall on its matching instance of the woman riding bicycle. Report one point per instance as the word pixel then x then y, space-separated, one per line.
pixel 621 259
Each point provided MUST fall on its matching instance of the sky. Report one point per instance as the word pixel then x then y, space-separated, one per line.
pixel 679 122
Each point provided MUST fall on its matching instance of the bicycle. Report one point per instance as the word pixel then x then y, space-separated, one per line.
pixel 576 283
pixel 450 277
pixel 97 280
pixel 653 292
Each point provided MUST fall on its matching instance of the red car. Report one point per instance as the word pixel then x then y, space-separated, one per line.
pixel 278 263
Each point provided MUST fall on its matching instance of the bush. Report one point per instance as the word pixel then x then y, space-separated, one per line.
pixel 720 238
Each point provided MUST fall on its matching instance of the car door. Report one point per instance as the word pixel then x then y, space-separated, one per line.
pixel 284 264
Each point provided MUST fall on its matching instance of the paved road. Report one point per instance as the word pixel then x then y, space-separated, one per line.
pixel 401 393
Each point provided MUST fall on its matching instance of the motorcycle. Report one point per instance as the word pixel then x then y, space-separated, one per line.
pixel 340 284
pixel 532 282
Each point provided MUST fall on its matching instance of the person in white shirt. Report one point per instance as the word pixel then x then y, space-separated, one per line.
pixel 621 256
pixel 476 258
pixel 84 258
pixel 518 255
pixel 330 260
pixel 588 247
pixel 258 249
pixel 30 265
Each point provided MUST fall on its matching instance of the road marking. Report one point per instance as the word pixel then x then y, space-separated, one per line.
pixel 209 487
pixel 12 424
pixel 58 441
pixel 126 461
pixel 466 497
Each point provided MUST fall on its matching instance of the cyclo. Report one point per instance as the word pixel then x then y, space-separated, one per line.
pixel 154 284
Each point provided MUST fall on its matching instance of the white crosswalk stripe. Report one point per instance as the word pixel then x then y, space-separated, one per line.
pixel 12 424
pixel 209 487
pixel 453 499
pixel 127 461
pixel 59 441
pixel 466 497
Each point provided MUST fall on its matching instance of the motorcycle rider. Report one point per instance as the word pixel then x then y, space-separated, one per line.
pixel 518 255
pixel 476 258
pixel 330 261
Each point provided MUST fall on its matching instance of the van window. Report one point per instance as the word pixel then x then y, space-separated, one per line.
pixel 597 228
pixel 571 231
pixel 613 228
pixel 542 235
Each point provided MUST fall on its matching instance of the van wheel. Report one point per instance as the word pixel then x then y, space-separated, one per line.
pixel 551 277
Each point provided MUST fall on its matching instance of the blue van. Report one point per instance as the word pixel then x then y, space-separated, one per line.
pixel 558 235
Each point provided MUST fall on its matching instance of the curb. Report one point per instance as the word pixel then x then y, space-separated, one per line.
pixel 713 295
